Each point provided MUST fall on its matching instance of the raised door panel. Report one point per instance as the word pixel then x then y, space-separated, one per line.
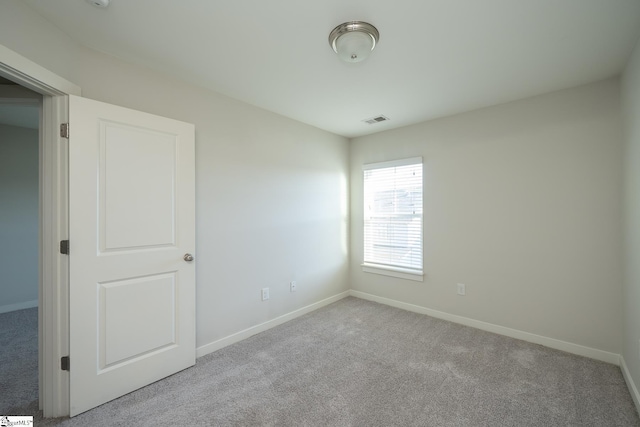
pixel 132 219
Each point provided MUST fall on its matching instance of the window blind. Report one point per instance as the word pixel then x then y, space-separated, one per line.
pixel 393 214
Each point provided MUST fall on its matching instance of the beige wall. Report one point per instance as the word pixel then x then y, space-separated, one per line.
pixel 522 200
pixel 631 289
pixel 271 192
pixel 18 218
pixel 522 204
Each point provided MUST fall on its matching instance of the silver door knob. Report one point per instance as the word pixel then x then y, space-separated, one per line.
pixel 188 257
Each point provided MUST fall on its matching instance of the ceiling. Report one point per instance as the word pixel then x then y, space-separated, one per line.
pixel 15 108
pixel 24 116
pixel 434 58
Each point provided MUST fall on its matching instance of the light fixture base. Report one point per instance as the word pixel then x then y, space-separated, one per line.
pixel 99 3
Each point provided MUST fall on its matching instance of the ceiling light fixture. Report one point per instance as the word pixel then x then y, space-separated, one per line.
pixel 353 41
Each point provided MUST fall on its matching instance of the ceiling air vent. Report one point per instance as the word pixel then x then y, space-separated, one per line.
pixel 377 119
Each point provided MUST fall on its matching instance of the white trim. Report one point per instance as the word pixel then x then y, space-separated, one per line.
pixel 239 336
pixel 19 306
pixel 393 163
pixel 402 273
pixel 633 390
pixel 580 350
pixel 27 73
pixel 54 267
pixel 53 318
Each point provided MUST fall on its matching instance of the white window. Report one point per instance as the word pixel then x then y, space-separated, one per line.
pixel 393 218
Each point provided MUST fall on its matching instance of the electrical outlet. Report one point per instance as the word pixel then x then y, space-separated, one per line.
pixel 293 285
pixel 265 294
pixel 462 289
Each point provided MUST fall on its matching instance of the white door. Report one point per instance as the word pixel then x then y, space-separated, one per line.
pixel 132 222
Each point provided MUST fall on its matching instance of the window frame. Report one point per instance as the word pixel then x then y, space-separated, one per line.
pixel 394 270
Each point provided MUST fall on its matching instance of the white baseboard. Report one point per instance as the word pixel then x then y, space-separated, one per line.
pixel 18 306
pixel 239 336
pixel 580 350
pixel 633 390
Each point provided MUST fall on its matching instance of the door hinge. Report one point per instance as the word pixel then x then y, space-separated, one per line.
pixel 64 363
pixel 64 247
pixel 64 130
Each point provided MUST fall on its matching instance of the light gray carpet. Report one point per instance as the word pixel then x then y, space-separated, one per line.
pixel 358 363
pixel 18 359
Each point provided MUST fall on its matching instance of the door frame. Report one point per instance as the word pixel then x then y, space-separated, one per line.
pixel 53 294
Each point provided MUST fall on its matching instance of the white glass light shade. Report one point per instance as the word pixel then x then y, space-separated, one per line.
pixel 354 47
pixel 353 41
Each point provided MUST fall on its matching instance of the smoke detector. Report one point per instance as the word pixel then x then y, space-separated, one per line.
pixel 99 3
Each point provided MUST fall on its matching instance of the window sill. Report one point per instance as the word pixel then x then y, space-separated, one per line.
pixel 401 273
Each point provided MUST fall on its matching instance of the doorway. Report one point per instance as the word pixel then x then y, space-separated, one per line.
pixel 19 249
pixel 54 256
pixel 53 321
